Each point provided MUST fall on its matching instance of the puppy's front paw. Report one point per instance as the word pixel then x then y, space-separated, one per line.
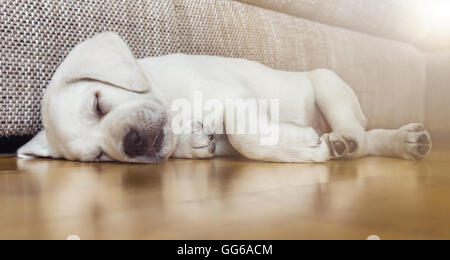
pixel 200 144
pixel 203 143
pixel 414 141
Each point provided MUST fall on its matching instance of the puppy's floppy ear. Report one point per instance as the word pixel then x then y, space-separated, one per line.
pixel 37 147
pixel 106 58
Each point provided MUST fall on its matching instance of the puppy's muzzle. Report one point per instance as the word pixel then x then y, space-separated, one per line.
pixel 136 144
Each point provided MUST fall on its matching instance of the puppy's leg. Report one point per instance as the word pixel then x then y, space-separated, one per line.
pixel 342 110
pixel 411 142
pixel 349 139
pixel 295 144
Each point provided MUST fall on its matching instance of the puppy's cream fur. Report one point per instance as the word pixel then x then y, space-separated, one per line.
pixel 137 93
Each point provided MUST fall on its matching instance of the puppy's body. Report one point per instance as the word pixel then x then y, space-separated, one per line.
pixel 179 76
pixel 103 105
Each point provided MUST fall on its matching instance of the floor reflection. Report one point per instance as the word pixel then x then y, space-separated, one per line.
pixel 221 198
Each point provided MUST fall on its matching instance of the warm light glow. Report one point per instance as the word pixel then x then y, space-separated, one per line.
pixel 436 15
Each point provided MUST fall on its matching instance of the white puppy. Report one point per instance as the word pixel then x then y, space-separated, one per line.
pixel 104 105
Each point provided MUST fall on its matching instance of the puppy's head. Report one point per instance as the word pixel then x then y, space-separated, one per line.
pixel 100 106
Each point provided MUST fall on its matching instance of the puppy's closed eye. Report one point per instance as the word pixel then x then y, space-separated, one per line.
pixel 98 106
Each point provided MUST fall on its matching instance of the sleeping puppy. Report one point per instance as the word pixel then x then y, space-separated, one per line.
pixel 104 105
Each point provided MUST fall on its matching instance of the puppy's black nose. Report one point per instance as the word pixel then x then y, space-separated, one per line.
pixel 133 144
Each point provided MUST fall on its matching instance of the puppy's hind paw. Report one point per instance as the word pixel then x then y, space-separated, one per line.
pixel 341 147
pixel 415 142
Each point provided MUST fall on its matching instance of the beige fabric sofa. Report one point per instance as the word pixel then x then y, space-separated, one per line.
pixel 374 45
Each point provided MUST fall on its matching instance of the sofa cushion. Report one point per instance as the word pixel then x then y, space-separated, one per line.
pixel 403 20
pixel 438 94
pixel 393 19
